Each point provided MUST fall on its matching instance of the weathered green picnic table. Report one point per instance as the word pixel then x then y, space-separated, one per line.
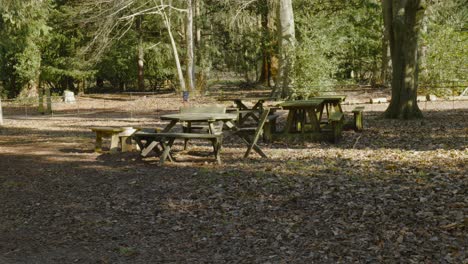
pixel 304 121
pixel 331 103
pixel 253 112
pixel 166 138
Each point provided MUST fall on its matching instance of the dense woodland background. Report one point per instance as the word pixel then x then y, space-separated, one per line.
pixel 130 45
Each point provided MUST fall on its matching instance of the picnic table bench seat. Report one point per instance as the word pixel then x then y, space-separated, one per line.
pixel 166 140
pixel 335 126
pixel 358 124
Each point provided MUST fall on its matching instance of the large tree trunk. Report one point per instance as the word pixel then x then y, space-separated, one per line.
pixel 189 37
pixel 287 39
pixel 403 19
pixel 141 55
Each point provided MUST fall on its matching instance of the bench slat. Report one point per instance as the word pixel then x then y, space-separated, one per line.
pixel 358 109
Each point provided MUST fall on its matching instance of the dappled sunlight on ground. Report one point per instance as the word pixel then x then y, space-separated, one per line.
pixel 394 193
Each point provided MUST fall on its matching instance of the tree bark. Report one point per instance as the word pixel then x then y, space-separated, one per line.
pixel 403 20
pixel 176 54
pixel 287 42
pixel 48 101
pixel 189 38
pixel 141 55
pixel 265 71
pixel 1 112
pixel 41 99
pixel 385 67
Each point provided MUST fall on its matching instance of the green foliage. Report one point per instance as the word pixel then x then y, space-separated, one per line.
pixel 445 47
pixel 336 43
pixel 62 62
pixel 24 35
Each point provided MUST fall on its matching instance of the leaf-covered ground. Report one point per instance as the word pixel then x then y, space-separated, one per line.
pixel 395 193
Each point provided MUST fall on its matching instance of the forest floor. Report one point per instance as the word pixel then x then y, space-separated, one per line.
pixel 395 193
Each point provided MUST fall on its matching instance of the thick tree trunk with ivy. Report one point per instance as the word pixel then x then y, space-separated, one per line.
pixel 287 42
pixel 141 55
pixel 403 19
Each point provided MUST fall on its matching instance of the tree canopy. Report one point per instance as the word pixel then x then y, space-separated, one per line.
pixel 120 45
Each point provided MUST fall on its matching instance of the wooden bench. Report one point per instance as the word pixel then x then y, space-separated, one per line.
pixel 335 121
pixel 357 111
pixel 166 140
pixel 118 135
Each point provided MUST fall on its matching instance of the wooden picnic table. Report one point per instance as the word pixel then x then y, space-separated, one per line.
pixel 209 118
pixel 166 137
pixel 331 103
pixel 303 115
pixel 304 121
pixel 253 112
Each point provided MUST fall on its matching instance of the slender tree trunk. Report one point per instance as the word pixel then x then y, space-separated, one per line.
pixel 403 22
pixel 386 62
pixel 1 112
pixel 180 74
pixel 200 80
pixel 386 65
pixel 141 55
pixel 41 99
pixel 287 43
pixel 48 100
pixel 266 54
pixel 189 38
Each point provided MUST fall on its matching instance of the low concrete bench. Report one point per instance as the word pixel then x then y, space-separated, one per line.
pixel 166 140
pixel 117 135
pixel 357 111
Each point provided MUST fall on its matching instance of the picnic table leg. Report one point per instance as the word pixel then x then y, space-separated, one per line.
pixel 147 149
pixel 240 105
pixel 314 121
pixel 98 143
pixel 169 126
pixel 114 143
pixel 303 121
pixel 217 143
pixel 290 121
pixel 126 142
pixel 166 149
pixel 188 129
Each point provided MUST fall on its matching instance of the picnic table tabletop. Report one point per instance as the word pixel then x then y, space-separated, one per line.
pixel 298 104
pixel 339 98
pixel 197 117
pixel 200 117
pixel 260 98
